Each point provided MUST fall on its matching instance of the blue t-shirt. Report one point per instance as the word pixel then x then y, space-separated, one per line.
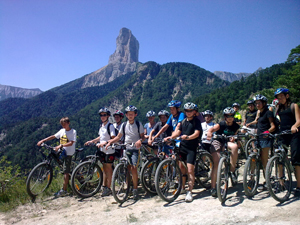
pixel 173 121
pixel 148 129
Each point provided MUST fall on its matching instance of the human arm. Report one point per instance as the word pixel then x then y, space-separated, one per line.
pixel 163 129
pixel 295 127
pixel 150 139
pixel 92 141
pixel 211 131
pixel 46 139
pixel 256 119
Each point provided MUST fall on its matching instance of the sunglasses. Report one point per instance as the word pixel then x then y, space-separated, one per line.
pixel 102 115
pixel 188 110
pixel 229 116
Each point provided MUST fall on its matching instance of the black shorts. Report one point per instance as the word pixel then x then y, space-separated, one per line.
pixel 106 158
pixel 188 155
pixel 206 146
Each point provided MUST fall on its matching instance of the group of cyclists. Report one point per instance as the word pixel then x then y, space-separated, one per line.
pixel 194 128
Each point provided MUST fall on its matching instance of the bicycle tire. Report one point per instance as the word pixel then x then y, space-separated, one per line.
pixel 121 183
pixel 148 175
pixel 248 147
pixel 86 179
pixel 251 176
pixel 168 180
pixel 279 192
pixel 39 179
pixel 222 179
pixel 203 169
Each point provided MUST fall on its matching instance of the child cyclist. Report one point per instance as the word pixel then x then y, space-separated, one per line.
pixel 227 127
pixel 106 132
pixel 134 135
pixel 67 138
pixel 189 129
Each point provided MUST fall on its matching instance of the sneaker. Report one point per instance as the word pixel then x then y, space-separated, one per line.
pixel 106 192
pixel 189 197
pixel 263 187
pixel 60 193
pixel 297 192
pixel 135 194
pixel 213 192
pixel 183 191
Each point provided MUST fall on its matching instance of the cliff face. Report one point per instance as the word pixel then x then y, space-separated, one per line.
pixel 233 76
pixel 16 92
pixel 122 61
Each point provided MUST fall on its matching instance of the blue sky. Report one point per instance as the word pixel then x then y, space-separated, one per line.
pixel 44 44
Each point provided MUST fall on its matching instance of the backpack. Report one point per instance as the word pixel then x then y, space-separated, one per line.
pixel 137 124
pixel 194 124
pixel 108 129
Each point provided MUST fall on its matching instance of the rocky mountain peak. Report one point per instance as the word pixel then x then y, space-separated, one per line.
pixel 122 61
pixel 7 91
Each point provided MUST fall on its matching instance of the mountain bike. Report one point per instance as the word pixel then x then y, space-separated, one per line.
pixel 87 177
pixel 41 175
pixel 223 173
pixel 168 176
pixel 244 139
pixel 253 165
pixel 121 178
pixel 279 172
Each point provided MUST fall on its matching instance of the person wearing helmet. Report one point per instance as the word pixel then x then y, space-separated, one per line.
pixel 250 117
pixel 289 114
pixel 265 125
pixel 133 132
pixel 237 115
pixel 149 126
pixel 208 116
pixel 118 116
pixel 106 132
pixel 189 129
pixel 163 117
pixel 174 119
pixel 67 137
pixel 228 127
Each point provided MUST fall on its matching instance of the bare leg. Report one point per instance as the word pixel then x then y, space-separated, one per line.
pixel 191 174
pixel 183 172
pixel 234 155
pixel 216 159
pixel 66 181
pixel 107 167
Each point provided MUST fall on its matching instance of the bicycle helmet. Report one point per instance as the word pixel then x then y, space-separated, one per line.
pixel 163 113
pixel 174 103
pixel 190 105
pixel 104 110
pixel 208 112
pixel 236 104
pixel 228 110
pixel 260 97
pixel 118 112
pixel 275 102
pixel 150 113
pixel 131 108
pixel 250 102
pixel 281 90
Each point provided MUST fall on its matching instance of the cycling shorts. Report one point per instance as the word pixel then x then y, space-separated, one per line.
pixel 188 155
pixel 67 164
pixel 106 158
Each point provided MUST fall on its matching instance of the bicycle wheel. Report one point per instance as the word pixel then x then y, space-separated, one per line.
pixel 148 175
pixel 168 180
pixel 251 176
pixel 203 169
pixel 222 179
pixel 121 182
pixel 86 179
pixel 39 179
pixel 250 145
pixel 279 178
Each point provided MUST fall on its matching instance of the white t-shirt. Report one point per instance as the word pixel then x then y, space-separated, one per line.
pixel 131 132
pixel 65 137
pixel 104 137
pixel 205 128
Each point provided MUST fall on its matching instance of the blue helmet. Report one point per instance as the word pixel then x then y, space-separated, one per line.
pixel 150 113
pixel 131 108
pixel 174 103
pixel 281 90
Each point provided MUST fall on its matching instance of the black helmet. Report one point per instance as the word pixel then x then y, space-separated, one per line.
pixel 236 104
pixel 250 102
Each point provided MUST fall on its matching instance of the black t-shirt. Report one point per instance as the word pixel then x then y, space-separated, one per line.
pixel 188 127
pixel 167 133
pixel 227 130
pixel 250 117
pixel 263 121
pixel 287 119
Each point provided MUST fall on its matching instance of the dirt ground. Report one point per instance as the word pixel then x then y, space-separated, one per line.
pixel 237 209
